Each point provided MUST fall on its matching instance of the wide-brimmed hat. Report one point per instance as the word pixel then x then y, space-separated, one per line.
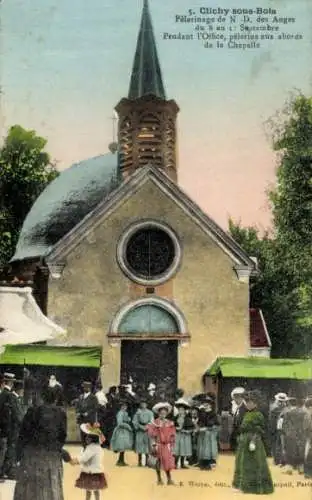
pixel 181 402
pixel 9 377
pixel 200 397
pixel 195 405
pixel 237 391
pixel 159 406
pixel 281 397
pixel 93 430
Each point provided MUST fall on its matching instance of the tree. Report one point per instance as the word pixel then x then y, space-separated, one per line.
pixel 25 170
pixel 292 198
pixel 284 288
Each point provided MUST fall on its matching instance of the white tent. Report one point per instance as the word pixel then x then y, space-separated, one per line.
pixel 21 320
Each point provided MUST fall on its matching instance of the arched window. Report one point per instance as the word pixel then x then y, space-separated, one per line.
pixel 149 319
pixel 151 316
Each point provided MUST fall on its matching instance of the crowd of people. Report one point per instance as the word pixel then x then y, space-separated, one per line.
pixel 290 426
pixel 165 433
pixel 124 415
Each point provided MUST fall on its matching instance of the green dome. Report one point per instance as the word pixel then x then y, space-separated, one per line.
pixel 64 203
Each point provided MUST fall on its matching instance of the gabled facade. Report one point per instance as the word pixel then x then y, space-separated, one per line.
pixel 198 303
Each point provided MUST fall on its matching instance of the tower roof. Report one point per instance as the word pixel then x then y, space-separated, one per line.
pixel 146 73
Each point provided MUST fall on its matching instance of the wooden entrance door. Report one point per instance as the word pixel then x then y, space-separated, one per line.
pixel 150 361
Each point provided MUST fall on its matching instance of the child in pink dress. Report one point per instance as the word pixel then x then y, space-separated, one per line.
pixel 162 433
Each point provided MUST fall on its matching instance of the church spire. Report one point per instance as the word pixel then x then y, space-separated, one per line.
pixel 146 73
pixel 146 120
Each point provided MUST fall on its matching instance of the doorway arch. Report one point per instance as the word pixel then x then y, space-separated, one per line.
pixel 149 331
pixel 159 315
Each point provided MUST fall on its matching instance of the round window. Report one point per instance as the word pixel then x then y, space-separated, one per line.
pixel 149 253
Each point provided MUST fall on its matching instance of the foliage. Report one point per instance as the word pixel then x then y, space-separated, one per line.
pixel 25 170
pixel 284 287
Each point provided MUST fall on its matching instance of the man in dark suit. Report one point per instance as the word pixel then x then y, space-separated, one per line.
pixel 9 466
pixel 9 421
pixel 87 406
pixel 239 411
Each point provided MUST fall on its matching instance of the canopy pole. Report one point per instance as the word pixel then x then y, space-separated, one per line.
pixel 24 369
pixel 24 376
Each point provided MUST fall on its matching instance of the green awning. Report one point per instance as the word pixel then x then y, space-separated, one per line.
pixel 300 369
pixel 88 357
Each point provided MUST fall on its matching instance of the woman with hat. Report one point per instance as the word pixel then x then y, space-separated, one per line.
pixel 194 413
pixel 122 438
pixel 208 430
pixel 238 411
pixel 252 474
pixel 41 438
pixel 184 427
pixel 162 433
pixel 275 428
pixel 141 419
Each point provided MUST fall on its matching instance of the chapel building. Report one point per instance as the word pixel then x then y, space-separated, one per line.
pixel 122 258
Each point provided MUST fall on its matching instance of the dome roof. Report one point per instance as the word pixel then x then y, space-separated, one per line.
pixel 64 203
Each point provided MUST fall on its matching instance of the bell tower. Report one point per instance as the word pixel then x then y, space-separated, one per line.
pixel 147 120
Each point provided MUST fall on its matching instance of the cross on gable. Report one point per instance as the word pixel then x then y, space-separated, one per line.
pixel 114 119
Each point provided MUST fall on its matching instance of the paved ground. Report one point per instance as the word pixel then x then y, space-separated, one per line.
pixel 133 483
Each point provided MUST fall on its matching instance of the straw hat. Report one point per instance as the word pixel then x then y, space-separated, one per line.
pixel 281 397
pixel 9 377
pixel 181 402
pixel 200 397
pixel 238 391
pixel 160 406
pixel 93 430
pixel 87 384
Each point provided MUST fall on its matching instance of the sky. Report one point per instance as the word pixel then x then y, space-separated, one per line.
pixel 65 64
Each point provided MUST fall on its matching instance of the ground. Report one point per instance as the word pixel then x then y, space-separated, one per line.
pixel 133 483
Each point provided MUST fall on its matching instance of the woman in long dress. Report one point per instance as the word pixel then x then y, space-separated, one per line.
pixel 141 419
pixel 275 428
pixel 42 436
pixel 184 427
pixel 162 433
pixel 207 441
pixel 252 474
pixel 122 438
